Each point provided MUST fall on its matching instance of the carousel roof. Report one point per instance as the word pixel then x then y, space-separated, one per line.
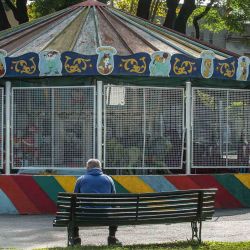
pixel 84 27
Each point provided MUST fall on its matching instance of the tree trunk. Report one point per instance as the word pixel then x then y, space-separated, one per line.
pixel 22 11
pixel 186 10
pixel 103 1
pixel 171 13
pixel 200 16
pixel 154 10
pixel 19 11
pixel 143 9
pixel 4 24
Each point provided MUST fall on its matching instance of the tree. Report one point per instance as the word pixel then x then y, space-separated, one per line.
pixel 185 12
pixel 200 16
pixel 229 15
pixel 4 23
pixel 19 10
pixel 171 13
pixel 153 10
pixel 39 8
pixel 143 8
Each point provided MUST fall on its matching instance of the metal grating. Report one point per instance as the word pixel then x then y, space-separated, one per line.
pixel 52 127
pixel 143 127
pixel 221 128
pixel 1 126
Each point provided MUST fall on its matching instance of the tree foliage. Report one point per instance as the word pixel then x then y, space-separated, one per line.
pixel 214 15
pixel 230 15
pixel 40 8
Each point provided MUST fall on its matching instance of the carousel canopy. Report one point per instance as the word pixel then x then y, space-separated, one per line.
pixel 91 38
pixel 88 25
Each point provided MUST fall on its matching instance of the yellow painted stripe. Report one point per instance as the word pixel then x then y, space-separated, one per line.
pixel 244 179
pixel 133 184
pixel 67 182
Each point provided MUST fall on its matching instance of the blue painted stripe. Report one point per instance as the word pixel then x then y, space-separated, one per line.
pixel 6 206
pixel 158 183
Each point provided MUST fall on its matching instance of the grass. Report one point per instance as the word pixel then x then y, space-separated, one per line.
pixel 179 245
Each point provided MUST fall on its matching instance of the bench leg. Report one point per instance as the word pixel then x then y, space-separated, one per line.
pixel 196 230
pixel 71 235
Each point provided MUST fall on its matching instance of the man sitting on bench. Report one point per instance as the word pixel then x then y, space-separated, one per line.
pixel 94 181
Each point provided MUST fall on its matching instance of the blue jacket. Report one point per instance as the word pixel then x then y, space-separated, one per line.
pixel 94 181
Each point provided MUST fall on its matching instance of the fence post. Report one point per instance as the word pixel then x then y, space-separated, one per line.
pixel 7 125
pixel 99 121
pixel 188 126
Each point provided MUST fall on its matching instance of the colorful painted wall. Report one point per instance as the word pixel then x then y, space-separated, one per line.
pixel 23 194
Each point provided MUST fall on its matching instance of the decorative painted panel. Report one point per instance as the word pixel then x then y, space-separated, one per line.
pixel 22 194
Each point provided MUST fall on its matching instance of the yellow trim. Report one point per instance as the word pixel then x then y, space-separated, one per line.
pixel 133 184
pixel 244 179
pixel 67 182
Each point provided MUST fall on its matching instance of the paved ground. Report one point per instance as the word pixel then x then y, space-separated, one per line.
pixel 30 232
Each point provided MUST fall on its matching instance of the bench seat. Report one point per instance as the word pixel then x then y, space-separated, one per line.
pixel 86 210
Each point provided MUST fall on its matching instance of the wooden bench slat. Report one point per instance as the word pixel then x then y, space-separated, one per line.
pixel 111 209
pixel 106 214
pixel 105 199
pixel 98 204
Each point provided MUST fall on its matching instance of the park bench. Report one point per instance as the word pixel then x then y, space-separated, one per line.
pixel 86 210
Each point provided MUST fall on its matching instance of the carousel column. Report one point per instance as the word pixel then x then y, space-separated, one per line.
pixel 188 126
pixel 7 125
pixel 99 120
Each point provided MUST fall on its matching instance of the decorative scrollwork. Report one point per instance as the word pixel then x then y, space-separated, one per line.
pixel 184 68
pixel 227 69
pixel 133 65
pixel 23 66
pixel 79 65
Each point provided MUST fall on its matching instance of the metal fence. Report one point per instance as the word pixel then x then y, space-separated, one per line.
pixel 55 127
pixel 52 127
pixel 221 128
pixel 1 125
pixel 143 127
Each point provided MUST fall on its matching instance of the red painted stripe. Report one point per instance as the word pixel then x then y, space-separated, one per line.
pixel 182 182
pixel 17 196
pixel 35 194
pixel 223 198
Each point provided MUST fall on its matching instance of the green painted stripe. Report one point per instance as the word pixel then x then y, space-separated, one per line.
pixel 235 187
pixel 120 188
pixel 49 185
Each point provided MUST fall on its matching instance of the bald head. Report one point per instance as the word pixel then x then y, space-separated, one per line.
pixel 93 163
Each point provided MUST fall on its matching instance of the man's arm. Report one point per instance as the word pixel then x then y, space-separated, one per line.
pixel 77 186
pixel 113 190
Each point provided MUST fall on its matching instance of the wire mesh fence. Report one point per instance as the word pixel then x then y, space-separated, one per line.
pixel 52 127
pixel 221 128
pixel 143 127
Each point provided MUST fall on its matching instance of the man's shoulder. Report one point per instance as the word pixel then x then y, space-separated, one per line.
pixel 108 177
pixel 80 178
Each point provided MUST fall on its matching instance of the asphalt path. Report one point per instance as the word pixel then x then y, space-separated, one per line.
pixel 36 231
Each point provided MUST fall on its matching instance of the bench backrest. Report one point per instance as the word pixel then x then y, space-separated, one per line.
pixel 131 209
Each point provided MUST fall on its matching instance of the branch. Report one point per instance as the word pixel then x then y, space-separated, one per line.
pixel 13 8
pixel 200 16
